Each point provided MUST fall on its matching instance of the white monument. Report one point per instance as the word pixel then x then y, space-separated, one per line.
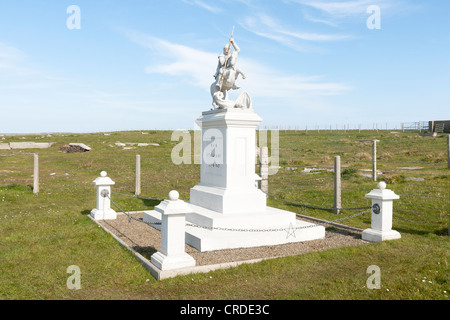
pixel 103 210
pixel 228 210
pixel 172 254
pixel 382 211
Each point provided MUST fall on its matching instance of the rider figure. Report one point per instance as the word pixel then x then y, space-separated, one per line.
pixel 230 70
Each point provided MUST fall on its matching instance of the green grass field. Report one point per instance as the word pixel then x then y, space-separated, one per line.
pixel 42 234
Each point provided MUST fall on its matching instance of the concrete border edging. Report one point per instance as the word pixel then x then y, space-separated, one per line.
pixel 165 274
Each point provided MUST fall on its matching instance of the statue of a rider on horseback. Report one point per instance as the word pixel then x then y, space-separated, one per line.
pixel 225 79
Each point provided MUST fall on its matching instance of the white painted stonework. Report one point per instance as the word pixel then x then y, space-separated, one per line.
pixel 30 145
pixel 172 254
pixel 103 210
pixel 228 162
pixel 381 223
pixel 227 209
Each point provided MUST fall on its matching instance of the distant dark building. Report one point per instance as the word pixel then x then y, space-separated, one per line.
pixel 439 126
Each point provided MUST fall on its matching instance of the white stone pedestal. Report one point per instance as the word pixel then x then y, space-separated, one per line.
pixel 227 208
pixel 271 226
pixel 103 210
pixel 382 213
pixel 228 163
pixel 173 223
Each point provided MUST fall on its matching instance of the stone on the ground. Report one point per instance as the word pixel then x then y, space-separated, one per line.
pixel 30 145
pixel 81 145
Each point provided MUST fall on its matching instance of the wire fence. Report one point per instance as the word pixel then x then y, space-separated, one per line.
pixel 413 167
pixel 423 187
pixel 421 207
pixel 405 126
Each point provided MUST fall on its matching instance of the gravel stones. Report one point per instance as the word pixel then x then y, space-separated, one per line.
pixel 147 240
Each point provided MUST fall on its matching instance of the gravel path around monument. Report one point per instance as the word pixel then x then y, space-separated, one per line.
pixel 147 240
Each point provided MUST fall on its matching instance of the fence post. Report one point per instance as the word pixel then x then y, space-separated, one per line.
pixel 36 174
pixel 374 156
pixel 337 184
pixel 138 175
pixel 448 151
pixel 448 165
pixel 374 159
pixel 264 169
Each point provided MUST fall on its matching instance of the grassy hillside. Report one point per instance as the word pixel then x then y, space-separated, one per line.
pixel 42 234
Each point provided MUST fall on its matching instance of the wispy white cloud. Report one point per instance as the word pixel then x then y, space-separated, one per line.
pixel 20 74
pixel 13 62
pixel 269 27
pixel 170 106
pixel 333 11
pixel 203 5
pixel 319 20
pixel 264 81
pixel 196 68
pixel 190 64
pixel 342 8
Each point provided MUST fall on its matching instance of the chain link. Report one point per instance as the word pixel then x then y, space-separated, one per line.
pixel 135 196
pixel 290 228
pixel 130 217
pixel 279 229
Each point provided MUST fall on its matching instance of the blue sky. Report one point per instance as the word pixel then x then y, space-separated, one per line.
pixel 144 65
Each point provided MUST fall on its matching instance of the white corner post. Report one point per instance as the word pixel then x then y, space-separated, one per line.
pixel 382 212
pixel 103 210
pixel 173 223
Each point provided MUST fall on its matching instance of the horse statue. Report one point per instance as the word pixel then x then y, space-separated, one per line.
pixel 225 79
